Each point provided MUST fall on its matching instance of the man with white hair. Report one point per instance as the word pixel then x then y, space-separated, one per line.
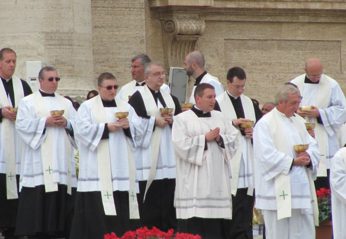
pixel 194 65
pixel 286 160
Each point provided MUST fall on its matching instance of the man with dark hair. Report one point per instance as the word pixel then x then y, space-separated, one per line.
pixel 12 90
pixel 205 143
pixel 107 173
pixel 242 112
pixel 45 123
pixel 154 154
pixel 194 65
pixel 138 64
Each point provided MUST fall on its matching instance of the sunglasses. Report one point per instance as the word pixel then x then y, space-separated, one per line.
pixel 110 87
pixel 53 78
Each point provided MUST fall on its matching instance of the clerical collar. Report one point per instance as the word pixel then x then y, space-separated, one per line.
pixel 200 113
pixel 234 97
pixel 44 94
pixel 154 92
pixel 308 81
pixel 109 103
pixel 199 78
pixel 142 83
pixel 5 80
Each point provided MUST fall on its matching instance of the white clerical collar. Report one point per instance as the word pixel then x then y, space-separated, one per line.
pixel 234 97
pixel 200 109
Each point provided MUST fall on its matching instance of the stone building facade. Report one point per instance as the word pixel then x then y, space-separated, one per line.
pixel 270 39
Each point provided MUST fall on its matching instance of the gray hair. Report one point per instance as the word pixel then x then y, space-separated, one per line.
pixel 45 69
pixel 284 91
pixel 144 59
pixel 148 67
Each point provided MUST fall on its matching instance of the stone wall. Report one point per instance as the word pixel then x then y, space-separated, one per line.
pixel 269 38
pixel 56 33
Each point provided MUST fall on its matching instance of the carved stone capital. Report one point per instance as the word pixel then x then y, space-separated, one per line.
pixel 181 34
pixel 184 26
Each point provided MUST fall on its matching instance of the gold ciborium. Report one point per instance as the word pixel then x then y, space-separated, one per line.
pixel 57 113
pixel 121 115
pixel 300 148
pixel 14 109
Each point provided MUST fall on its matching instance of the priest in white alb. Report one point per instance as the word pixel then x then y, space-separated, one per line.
pixel 324 104
pixel 106 194
pixel 205 142
pixel 12 90
pixel 243 113
pixel 45 122
pixel 138 64
pixel 286 161
pixel 338 189
pixel 154 153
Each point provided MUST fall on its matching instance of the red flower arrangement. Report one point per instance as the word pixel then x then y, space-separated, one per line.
pixel 154 233
pixel 324 204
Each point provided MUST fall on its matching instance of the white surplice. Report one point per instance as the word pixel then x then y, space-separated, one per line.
pixel 332 108
pixel 203 187
pixel 146 143
pixel 212 80
pixel 271 162
pixel 31 128
pixel 128 89
pixel 338 187
pixel 89 133
pixel 242 166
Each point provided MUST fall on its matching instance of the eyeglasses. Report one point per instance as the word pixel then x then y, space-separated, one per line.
pixel 110 87
pixel 54 78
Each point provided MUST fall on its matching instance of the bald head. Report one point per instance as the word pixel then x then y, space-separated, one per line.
pixel 194 63
pixel 313 69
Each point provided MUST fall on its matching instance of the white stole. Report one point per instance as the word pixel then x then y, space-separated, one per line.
pixel 321 101
pixel 227 109
pixel 7 134
pixel 282 182
pixel 104 167
pixel 49 165
pixel 153 110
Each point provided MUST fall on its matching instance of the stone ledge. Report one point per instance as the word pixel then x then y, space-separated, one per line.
pixel 251 4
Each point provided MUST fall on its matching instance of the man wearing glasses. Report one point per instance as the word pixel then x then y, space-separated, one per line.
pixel 45 123
pixel 12 90
pixel 324 104
pixel 242 112
pixel 154 154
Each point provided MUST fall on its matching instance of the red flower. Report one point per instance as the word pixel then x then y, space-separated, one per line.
pixel 111 236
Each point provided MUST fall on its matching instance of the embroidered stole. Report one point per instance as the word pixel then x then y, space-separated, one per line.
pixel 154 110
pixel 321 101
pixel 227 109
pixel 49 165
pixel 8 135
pixel 282 182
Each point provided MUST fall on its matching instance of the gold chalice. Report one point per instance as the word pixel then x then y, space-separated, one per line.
pixel 121 115
pixel 306 108
pixel 247 124
pixel 14 109
pixel 57 112
pixel 300 148
pixel 310 125
pixel 166 111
